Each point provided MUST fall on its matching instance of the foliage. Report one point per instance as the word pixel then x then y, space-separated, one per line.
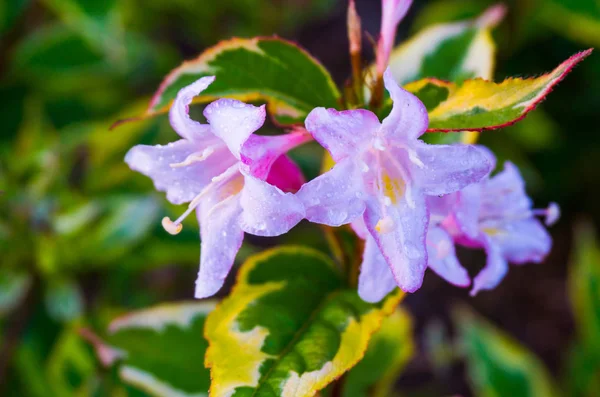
pixel 86 267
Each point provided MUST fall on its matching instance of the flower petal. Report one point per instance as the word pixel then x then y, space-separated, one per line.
pixel 234 121
pixel 408 118
pixel 448 168
pixel 286 175
pixel 181 184
pixel 376 279
pixel 504 194
pixel 360 228
pixel 524 241
pixel 442 258
pixel 267 211
pixel 402 241
pixel 494 271
pixel 459 211
pixel 335 197
pixel 260 152
pixel 343 133
pixel 179 112
pixel 221 238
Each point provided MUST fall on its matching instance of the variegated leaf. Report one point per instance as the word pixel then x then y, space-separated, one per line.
pixel 483 105
pixel 451 51
pixel 290 326
pixel 498 365
pixel 259 69
pixel 159 350
pixel 388 353
pixel 477 105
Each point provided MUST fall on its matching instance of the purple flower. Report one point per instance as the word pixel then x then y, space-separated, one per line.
pixel 495 215
pixel 383 173
pixel 223 172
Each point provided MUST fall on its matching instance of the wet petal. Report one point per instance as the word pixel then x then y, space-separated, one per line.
pixel 442 258
pixel 360 228
pixel 402 240
pixel 221 237
pixel 343 133
pixel 494 271
pixel 181 184
pixel 335 197
pixel 524 241
pixel 179 112
pixel 408 118
pixel 448 168
pixel 234 121
pixel 260 152
pixel 460 211
pixel 504 194
pixel 286 175
pixel 376 279
pixel 267 211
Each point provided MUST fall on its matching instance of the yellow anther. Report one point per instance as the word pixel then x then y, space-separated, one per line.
pixel 170 226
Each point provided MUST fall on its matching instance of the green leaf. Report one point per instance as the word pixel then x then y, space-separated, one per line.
pixel 13 287
pixel 451 51
pixel 583 372
pixel 388 353
pixel 497 364
pixel 63 299
pixel 96 21
pixel 127 220
pixel 10 11
pixel 159 350
pixel 55 52
pixel 290 326
pixel 584 286
pixel 71 365
pixel 259 69
pixel 577 19
pixel 477 105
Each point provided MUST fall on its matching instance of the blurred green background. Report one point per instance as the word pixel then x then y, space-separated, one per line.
pixel 80 234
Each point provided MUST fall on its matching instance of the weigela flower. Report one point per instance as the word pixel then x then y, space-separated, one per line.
pixel 495 215
pixel 383 173
pixel 392 12
pixel 232 178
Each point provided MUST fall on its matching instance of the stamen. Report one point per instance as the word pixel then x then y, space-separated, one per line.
pixel 171 227
pixel 412 154
pixel 552 213
pixel 175 227
pixel 195 158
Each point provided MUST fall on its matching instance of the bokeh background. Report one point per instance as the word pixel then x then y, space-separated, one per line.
pixel 80 234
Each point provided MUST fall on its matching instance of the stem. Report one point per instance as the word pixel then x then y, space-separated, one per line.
pixel 377 94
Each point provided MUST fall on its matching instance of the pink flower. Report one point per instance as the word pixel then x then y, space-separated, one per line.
pixel 495 215
pixel 393 11
pixel 223 171
pixel 382 175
